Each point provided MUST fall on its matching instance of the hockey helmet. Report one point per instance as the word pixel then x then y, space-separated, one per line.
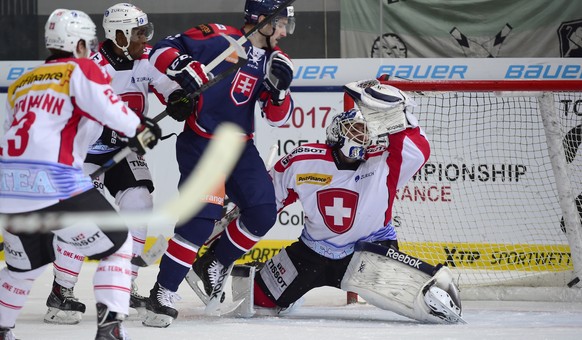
pixel 65 28
pixel 255 8
pixel 348 131
pixel 129 19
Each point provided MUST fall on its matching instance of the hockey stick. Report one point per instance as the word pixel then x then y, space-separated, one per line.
pixel 153 254
pixel 245 37
pixel 216 163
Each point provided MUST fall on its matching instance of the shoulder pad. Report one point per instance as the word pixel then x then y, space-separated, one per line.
pixel 206 31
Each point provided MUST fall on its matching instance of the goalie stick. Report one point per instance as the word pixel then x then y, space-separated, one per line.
pixel 153 254
pixel 217 161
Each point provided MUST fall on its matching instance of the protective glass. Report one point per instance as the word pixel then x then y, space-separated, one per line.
pixel 93 45
pixel 285 22
pixel 142 32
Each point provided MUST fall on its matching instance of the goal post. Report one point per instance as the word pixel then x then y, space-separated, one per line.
pixel 500 199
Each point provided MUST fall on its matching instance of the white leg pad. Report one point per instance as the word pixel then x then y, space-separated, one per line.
pixel 392 285
pixel 383 282
pixel 243 278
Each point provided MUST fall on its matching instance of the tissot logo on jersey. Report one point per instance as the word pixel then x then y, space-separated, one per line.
pixel 278 272
pixel 313 178
pixel 302 150
pixel 82 241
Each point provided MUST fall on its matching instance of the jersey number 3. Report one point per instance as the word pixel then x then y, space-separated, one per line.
pixel 19 142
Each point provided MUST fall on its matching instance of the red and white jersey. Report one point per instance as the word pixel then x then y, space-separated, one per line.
pixel 131 80
pixel 343 206
pixel 54 113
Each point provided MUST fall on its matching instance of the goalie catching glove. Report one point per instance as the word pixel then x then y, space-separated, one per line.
pixel 180 105
pixel 384 107
pixel 187 72
pixel 147 136
pixel 279 76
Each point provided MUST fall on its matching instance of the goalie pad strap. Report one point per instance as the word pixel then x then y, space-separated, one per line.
pixel 394 254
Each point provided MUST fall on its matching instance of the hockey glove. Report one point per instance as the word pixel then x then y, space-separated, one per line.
pixel 279 76
pixel 112 139
pixel 147 136
pixel 187 72
pixel 180 106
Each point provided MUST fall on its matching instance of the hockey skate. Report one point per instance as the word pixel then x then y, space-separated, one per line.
pixel 137 301
pixel 160 307
pixel 6 334
pixel 109 325
pixel 63 306
pixel 442 305
pixel 213 275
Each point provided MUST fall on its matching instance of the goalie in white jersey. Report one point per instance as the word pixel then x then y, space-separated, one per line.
pixel 347 187
pixel 54 113
pixel 124 55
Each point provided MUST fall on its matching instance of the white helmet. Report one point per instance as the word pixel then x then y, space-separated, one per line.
pixel 64 28
pixel 126 18
pixel 348 131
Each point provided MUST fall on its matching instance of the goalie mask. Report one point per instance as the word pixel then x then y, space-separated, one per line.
pixel 255 8
pixel 129 19
pixel 65 28
pixel 348 132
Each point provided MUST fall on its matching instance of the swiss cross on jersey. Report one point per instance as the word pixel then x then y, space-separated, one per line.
pixel 338 208
pixel 242 88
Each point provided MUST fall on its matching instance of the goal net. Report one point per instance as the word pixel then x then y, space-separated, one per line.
pixel 499 200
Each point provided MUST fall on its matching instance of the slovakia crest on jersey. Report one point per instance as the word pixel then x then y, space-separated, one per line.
pixel 338 208
pixel 242 88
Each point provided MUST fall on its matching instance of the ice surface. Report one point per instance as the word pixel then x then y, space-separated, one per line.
pixel 324 316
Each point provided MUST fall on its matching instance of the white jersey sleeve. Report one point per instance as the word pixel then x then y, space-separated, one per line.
pixel 92 95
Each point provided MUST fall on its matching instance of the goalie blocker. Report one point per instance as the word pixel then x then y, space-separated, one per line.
pixel 385 277
pixel 395 281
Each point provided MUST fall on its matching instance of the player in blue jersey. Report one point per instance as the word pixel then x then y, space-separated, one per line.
pixel 265 79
